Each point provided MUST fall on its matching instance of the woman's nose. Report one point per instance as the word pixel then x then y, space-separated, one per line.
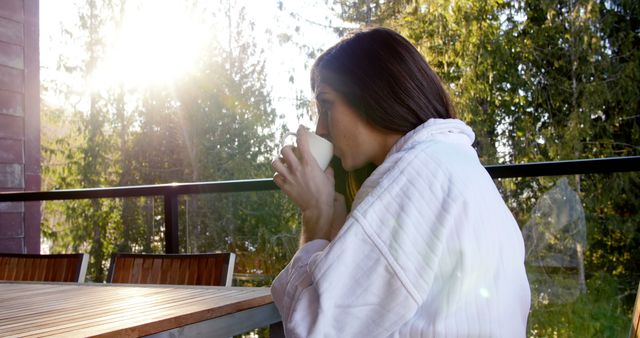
pixel 321 128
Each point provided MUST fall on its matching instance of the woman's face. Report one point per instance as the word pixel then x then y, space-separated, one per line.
pixel 355 141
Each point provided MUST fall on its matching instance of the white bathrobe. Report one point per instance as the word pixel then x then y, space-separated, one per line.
pixel 429 250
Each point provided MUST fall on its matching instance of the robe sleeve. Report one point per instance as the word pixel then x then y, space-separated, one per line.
pixel 346 288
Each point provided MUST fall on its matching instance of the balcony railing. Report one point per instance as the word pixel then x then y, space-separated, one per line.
pixel 171 192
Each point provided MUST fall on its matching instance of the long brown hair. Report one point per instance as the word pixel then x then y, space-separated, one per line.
pixel 387 81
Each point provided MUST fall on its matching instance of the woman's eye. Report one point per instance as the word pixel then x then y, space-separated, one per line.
pixel 327 107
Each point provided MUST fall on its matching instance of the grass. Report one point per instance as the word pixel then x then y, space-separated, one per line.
pixel 599 312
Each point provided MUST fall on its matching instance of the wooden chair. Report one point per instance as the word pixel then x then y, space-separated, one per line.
pixel 43 268
pixel 178 269
pixel 635 320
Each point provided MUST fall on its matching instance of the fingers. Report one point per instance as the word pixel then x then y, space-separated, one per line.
pixel 287 163
pixel 282 172
pixel 280 181
pixel 289 157
pixel 293 173
pixel 280 177
pixel 283 183
pixel 329 172
pixel 339 204
pixel 303 142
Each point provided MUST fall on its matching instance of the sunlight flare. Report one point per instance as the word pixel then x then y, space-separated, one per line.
pixel 158 43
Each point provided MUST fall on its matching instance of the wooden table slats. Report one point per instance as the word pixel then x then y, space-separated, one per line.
pixel 67 310
pixel 81 310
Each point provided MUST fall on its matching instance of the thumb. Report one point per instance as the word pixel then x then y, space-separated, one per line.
pixel 329 172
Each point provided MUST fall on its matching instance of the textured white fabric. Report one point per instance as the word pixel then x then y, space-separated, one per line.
pixel 429 250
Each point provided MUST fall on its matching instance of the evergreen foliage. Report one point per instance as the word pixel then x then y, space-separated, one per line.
pixel 217 123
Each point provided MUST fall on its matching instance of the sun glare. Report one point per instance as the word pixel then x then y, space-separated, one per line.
pixel 159 41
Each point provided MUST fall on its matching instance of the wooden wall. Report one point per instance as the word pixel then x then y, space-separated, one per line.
pixel 19 123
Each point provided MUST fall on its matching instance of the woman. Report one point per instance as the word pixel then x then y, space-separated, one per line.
pixel 429 248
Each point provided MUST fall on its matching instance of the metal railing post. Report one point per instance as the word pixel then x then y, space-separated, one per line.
pixel 171 239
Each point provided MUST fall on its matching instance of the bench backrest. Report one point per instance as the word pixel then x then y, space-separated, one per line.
pixel 43 268
pixel 178 269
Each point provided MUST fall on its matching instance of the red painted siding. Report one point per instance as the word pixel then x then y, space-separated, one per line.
pixel 12 9
pixel 11 151
pixel 12 245
pixel 11 32
pixel 11 79
pixel 11 103
pixel 12 225
pixel 19 123
pixel 11 127
pixel 11 55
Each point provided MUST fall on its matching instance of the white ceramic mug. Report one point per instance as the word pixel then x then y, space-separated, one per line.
pixel 321 149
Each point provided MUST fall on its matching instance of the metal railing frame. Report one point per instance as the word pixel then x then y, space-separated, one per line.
pixel 171 192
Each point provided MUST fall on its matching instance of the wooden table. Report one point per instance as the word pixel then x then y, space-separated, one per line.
pixel 84 310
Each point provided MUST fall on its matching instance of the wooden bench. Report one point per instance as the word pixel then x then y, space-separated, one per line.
pixel 43 268
pixel 177 269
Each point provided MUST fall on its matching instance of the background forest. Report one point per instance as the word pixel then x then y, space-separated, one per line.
pixel 537 80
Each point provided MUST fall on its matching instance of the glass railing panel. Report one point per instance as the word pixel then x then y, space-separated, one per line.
pixel 262 228
pixel 582 240
pixel 101 227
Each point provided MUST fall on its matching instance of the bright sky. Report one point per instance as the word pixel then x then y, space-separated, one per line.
pixel 160 39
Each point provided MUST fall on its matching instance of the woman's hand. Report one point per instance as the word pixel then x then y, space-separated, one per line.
pixel 312 190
